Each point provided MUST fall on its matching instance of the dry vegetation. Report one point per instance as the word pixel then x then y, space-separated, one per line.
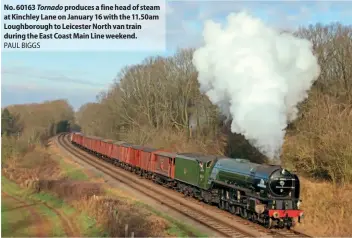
pixel 44 174
pixel 26 125
pixel 158 103
pixel 26 161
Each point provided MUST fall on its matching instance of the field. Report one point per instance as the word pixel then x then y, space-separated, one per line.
pixel 42 215
pixel 67 200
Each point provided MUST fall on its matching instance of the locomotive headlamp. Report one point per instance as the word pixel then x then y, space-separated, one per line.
pixel 299 204
pixel 283 171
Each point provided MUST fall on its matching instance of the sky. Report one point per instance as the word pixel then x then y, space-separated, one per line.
pixel 32 77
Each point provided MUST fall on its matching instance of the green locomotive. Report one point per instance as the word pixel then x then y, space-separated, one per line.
pixel 264 193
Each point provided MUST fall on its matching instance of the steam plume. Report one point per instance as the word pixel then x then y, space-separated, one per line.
pixel 257 76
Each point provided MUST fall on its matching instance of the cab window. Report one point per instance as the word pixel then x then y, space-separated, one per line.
pixel 209 164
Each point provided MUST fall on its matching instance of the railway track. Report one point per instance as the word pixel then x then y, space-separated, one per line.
pixel 238 227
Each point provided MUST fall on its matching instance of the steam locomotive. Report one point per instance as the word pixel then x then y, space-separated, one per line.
pixel 266 194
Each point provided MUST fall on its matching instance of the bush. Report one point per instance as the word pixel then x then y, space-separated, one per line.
pixel 320 144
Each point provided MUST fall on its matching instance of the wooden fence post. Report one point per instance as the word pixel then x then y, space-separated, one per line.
pixel 126 230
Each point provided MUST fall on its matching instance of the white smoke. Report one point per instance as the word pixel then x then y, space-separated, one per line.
pixel 257 76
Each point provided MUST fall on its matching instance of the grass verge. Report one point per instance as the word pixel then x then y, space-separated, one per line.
pixel 173 227
pixel 177 228
pixel 79 194
pixel 10 218
pixel 14 222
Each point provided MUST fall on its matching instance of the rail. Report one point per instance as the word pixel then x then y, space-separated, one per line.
pixel 239 227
